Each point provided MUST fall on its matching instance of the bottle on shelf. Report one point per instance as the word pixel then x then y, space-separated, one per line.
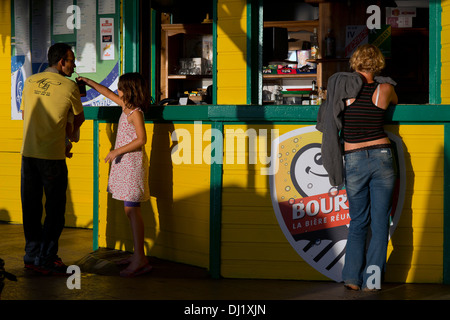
pixel 330 45
pixel 322 95
pixel 279 95
pixel 314 94
pixel 314 45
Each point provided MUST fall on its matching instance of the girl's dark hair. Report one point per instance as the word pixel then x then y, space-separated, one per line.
pixel 57 52
pixel 135 90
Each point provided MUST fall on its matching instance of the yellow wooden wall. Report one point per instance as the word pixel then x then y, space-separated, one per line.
pixel 417 244
pixel 79 194
pixel 176 218
pixel 231 52
pixel 445 52
pixel 10 131
pixel 253 245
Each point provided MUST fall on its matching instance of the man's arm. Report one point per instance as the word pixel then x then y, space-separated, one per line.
pixel 78 121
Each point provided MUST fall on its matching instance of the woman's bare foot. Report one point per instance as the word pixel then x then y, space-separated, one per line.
pixel 352 286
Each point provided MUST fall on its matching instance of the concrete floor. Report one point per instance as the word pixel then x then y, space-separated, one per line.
pixel 168 280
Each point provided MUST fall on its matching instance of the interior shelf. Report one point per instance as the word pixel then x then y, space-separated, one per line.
pixel 290 76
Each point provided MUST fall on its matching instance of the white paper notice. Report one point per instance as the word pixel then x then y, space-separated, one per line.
pixel 107 38
pixel 22 27
pixel 106 6
pixel 86 57
pixel 60 17
pixel 40 24
pixel 21 60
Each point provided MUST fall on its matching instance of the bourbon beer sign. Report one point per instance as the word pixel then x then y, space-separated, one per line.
pixel 313 215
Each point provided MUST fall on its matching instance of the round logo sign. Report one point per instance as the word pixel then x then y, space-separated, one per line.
pixel 313 215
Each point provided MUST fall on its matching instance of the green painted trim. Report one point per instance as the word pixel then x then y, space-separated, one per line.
pixel 267 113
pixel 95 215
pixel 214 62
pixel 215 210
pixel 435 64
pixel 258 55
pixel 446 248
pixel 254 52
pixel 130 35
pixel 111 114
pixel 153 66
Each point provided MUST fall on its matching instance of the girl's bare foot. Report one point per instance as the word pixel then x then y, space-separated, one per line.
pixel 137 266
pixel 124 262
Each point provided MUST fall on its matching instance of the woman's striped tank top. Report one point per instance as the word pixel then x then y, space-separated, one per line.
pixel 363 121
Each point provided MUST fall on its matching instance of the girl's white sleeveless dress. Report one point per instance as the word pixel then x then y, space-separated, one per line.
pixel 128 178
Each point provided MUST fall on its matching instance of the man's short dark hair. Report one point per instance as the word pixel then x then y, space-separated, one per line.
pixel 57 52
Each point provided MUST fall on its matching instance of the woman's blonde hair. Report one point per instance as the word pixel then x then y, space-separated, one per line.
pixel 135 90
pixel 367 58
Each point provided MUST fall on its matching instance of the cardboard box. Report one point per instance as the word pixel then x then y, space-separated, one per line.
pixel 198 46
pixel 359 34
pixel 195 66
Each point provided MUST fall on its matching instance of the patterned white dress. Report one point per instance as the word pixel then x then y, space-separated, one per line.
pixel 128 178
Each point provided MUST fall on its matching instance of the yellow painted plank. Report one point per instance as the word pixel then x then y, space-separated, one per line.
pixel 429 201
pixel 235 72
pixel 232 96
pixel 252 233
pixel 418 218
pixel 415 274
pixel 232 44
pixel 247 215
pixel 419 236
pixel 410 257
pixel 245 179
pixel 231 26
pixel 227 9
pixel 270 270
pixel 256 251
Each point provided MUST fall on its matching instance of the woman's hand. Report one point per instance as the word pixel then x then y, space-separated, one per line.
pixel 85 80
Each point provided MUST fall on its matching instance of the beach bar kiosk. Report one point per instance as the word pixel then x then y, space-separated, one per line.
pixel 236 179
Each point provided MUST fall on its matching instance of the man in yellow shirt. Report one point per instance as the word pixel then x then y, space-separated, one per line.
pixel 46 100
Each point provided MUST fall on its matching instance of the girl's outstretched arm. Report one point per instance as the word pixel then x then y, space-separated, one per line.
pixel 102 90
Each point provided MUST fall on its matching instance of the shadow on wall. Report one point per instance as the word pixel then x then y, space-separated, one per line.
pixel 4 216
pixel 419 242
pixel 118 230
pixel 249 226
pixel 399 261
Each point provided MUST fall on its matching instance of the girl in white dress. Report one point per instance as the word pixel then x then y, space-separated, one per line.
pixel 128 179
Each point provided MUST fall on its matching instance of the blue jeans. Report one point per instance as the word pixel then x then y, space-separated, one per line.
pixel 39 176
pixel 370 180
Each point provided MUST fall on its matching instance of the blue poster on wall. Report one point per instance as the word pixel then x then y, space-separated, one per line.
pixel 38 24
pixel 20 69
pixel 95 99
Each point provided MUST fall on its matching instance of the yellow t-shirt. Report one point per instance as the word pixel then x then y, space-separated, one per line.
pixel 46 99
